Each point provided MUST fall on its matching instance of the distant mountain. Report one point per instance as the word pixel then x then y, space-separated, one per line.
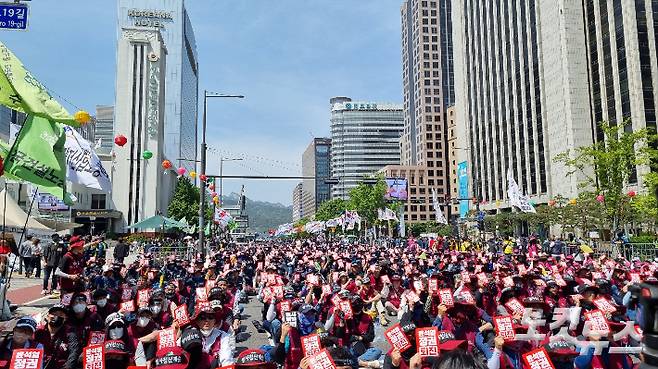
pixel 262 215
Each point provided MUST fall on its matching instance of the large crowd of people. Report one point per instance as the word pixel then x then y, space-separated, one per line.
pixel 325 304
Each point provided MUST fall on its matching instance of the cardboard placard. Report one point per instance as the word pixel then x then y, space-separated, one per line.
pixel 127 306
pixel 286 306
pixel 311 344
pixel 143 297
pixel 433 285
pixel 598 322
pixel 515 306
pixel 604 305
pixel 201 294
pixel 93 357
pixel 396 338
pixel 445 296
pixel 346 307
pixel 482 278
pixel 504 327
pixel 468 297
pixel 326 289
pixel 321 360
pixel 427 341
pixel 508 282
pixel 290 317
pixel 166 338
pixel 181 316
pixel 26 359
pixel 538 359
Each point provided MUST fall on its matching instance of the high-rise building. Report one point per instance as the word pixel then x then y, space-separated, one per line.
pixel 105 128
pixel 170 17
pixel 621 38
pixel 428 82
pixel 316 162
pixel 365 137
pixel 297 205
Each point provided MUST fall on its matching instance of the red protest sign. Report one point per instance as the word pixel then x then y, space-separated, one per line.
pixel 143 297
pixel 385 279
pixel 313 279
pixel 96 338
pixel 445 295
pixel 427 341
pixel 326 289
pixel 127 306
pixel 468 297
pixel 482 278
pixel 538 359
pixel 321 360
pixel 166 338
pixel 635 277
pixel 181 316
pixel 396 338
pixel 93 357
pixel 346 307
pixel 26 359
pixel 286 306
pixel 126 294
pixel 433 285
pixel 504 327
pixel 508 282
pixel 597 322
pixel 412 296
pixel 201 294
pixel 604 305
pixel 418 286
pixel 311 344
pixel 515 306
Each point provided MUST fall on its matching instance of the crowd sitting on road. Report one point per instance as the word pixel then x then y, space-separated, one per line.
pixel 438 303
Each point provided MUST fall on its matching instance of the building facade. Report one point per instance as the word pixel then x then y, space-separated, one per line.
pixel 365 137
pixel 621 38
pixel 316 163
pixel 182 71
pixel 105 128
pixel 428 86
pixel 297 204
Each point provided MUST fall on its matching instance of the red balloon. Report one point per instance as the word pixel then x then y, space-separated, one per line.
pixel 203 177
pixel 120 140
pixel 166 164
pixel 600 198
pixel 631 193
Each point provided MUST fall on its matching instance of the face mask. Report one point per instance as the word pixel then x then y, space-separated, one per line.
pixel 206 332
pixel 143 322
pixel 101 303
pixel 156 309
pixel 116 333
pixel 20 338
pixel 79 308
pixel 57 321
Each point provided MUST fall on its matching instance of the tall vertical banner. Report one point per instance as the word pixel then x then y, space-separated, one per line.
pixel 440 218
pixel 403 230
pixel 462 179
pixel 516 197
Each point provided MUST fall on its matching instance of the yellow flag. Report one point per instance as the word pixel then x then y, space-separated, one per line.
pixel 20 90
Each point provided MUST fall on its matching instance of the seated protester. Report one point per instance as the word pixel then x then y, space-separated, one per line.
pixel 288 348
pixel 82 320
pixel 396 359
pixel 462 320
pixel 22 337
pixel 103 307
pixel 116 330
pixel 142 326
pixel 394 297
pixel 218 345
pixel 372 299
pixel 117 355
pixel 360 331
pixel 157 303
pixel 61 347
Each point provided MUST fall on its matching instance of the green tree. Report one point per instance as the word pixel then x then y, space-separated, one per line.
pixel 185 202
pixel 330 209
pixel 366 199
pixel 612 162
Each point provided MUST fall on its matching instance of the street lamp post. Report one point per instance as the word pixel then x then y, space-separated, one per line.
pixel 221 179
pixel 202 204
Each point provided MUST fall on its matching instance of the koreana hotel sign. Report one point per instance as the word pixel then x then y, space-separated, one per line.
pixel 150 18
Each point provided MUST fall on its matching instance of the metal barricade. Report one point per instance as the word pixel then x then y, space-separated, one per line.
pixel 644 251
pixel 162 253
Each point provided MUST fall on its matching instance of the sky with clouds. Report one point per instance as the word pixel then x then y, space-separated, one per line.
pixel 288 57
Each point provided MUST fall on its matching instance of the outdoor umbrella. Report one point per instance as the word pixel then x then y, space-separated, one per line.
pixel 157 221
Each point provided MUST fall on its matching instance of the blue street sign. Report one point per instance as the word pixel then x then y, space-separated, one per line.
pixel 13 16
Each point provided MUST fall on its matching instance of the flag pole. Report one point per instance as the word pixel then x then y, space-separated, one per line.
pixel 6 284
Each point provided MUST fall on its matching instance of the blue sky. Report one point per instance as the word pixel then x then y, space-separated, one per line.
pixel 287 56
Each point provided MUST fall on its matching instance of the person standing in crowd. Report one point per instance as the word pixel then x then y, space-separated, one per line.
pixel 71 267
pixel 121 251
pixel 25 253
pixel 36 256
pixel 53 256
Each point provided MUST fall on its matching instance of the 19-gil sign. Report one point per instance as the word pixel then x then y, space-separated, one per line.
pixel 13 16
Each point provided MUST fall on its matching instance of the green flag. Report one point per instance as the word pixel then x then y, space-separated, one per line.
pixel 20 90
pixel 207 230
pixel 38 157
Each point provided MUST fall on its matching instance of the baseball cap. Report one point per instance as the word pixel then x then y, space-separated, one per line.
pixel 448 342
pixel 561 348
pixel 58 307
pixel 171 358
pixel 253 358
pixel 113 318
pixel 115 347
pixel 27 322
pixel 74 239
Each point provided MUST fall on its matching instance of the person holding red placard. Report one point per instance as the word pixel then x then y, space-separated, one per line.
pixel 61 345
pixel 82 319
pixel 142 326
pixel 22 337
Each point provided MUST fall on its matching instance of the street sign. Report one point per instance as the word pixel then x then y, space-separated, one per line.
pixel 13 16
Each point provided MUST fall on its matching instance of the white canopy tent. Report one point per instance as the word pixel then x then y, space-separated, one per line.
pixel 14 217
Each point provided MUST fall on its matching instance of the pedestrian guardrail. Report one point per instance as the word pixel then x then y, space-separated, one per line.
pixel 162 253
pixel 644 251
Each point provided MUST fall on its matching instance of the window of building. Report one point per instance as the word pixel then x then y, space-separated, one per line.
pixel 98 201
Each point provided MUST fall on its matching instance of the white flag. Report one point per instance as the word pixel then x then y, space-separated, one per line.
pixel 14 129
pixel 83 165
pixel 440 218
pixel 390 215
pixel 516 198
